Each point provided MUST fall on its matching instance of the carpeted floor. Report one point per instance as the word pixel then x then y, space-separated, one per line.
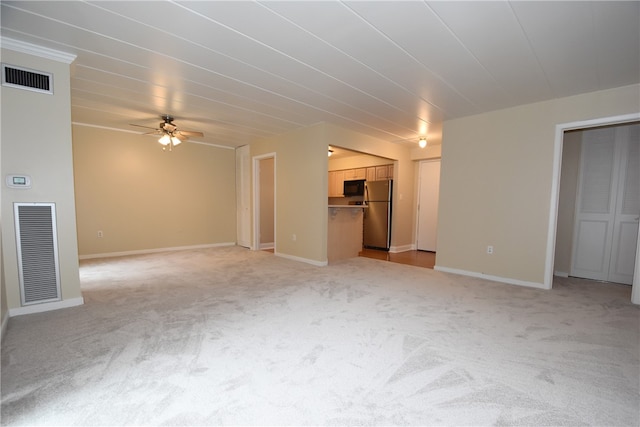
pixel 227 336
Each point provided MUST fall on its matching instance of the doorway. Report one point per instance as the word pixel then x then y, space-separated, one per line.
pixel 428 193
pixel 607 204
pixel 553 231
pixel 264 192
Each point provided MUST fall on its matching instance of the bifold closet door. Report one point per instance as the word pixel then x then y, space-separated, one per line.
pixel 608 205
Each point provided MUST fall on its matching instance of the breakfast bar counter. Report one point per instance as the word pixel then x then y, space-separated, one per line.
pixel 344 238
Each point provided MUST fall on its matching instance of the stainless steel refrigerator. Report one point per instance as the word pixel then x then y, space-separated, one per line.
pixel 377 215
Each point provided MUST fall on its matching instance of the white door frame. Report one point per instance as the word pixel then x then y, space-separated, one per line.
pixel 555 194
pixel 256 200
pixel 243 196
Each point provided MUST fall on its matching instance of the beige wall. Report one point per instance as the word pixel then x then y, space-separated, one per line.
pixel 567 201
pixel 496 183
pixel 301 186
pixel 301 192
pixel 36 140
pixel 143 198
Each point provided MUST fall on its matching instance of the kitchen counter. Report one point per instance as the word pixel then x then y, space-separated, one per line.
pixel 344 238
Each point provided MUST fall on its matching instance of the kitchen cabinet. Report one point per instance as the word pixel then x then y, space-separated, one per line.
pixel 336 183
pixel 371 173
pixel 360 173
pixel 382 172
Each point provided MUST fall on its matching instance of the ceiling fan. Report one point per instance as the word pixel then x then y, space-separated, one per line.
pixel 170 135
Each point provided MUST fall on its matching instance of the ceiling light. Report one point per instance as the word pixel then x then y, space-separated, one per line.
pixel 175 141
pixel 165 139
pixel 422 142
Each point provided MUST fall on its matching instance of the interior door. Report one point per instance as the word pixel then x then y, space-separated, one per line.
pixel 627 212
pixel 608 205
pixel 429 190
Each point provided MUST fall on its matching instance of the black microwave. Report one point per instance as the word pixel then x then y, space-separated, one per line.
pixel 353 188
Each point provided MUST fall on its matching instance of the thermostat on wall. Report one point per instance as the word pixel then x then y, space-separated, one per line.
pixel 18 181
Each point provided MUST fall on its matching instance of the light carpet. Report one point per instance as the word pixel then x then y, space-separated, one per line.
pixel 228 336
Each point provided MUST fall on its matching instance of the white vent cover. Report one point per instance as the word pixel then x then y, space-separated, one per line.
pixel 37 245
pixel 24 78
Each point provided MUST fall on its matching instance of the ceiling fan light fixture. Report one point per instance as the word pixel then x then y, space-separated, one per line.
pixel 165 139
pixel 422 142
pixel 175 141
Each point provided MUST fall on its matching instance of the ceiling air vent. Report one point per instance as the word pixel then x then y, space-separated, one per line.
pixel 23 78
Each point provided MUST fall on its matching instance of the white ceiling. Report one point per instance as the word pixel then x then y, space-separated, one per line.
pixel 238 71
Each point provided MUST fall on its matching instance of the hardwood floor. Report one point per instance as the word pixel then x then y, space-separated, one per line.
pixel 417 258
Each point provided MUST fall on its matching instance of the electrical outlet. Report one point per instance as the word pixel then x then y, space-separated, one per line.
pixel 490 250
pixel 100 235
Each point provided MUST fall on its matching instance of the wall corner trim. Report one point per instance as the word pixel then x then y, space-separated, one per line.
pixel 153 251
pixel 39 308
pixel 506 280
pixel 305 260
pixel 5 323
pixel 32 49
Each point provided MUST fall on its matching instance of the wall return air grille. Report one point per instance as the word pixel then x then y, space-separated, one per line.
pixel 37 245
pixel 24 78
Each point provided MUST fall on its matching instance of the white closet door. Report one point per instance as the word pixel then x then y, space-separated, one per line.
pixel 608 206
pixel 429 192
pixel 625 224
pixel 594 210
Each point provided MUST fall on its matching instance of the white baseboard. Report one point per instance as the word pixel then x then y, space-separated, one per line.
pixel 39 308
pixel 561 273
pixel 5 322
pixel 305 260
pixel 403 248
pixel 490 277
pixel 153 251
pixel 264 246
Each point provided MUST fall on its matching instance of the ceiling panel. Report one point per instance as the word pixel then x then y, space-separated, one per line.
pixel 492 34
pixel 562 38
pixel 239 71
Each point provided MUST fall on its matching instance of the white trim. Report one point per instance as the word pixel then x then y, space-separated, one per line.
pixel 305 260
pixel 635 289
pixel 555 193
pixel 35 50
pixel 5 323
pixel 256 198
pixel 264 246
pixel 402 248
pixel 153 251
pixel 561 274
pixel 39 308
pixel 490 277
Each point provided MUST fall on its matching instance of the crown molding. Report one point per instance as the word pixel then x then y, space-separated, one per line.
pixel 32 49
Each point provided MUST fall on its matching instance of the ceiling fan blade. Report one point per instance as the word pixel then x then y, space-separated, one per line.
pixel 188 133
pixel 154 132
pixel 140 126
